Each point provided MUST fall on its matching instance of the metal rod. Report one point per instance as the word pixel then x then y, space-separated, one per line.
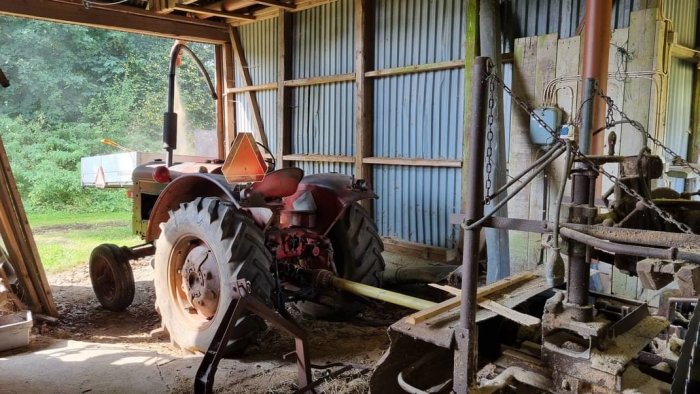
pixel 543 166
pixel 466 335
pixel 510 183
pixel 381 294
pixel 612 247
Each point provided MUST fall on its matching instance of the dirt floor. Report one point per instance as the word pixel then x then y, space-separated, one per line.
pixel 86 327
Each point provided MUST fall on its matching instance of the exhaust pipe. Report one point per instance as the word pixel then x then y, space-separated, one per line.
pixel 170 117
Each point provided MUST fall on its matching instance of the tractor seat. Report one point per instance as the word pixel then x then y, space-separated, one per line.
pixel 278 184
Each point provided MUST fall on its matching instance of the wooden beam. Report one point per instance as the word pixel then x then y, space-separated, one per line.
pixel 470 42
pixel 253 88
pixel 228 76
pixel 481 292
pixel 398 161
pixel 242 63
pixel 326 158
pixel 685 53
pixel 220 102
pixel 284 93
pixel 210 12
pixel 422 251
pixel 278 4
pixel 320 80
pixel 418 68
pixel 121 18
pixel 364 89
pixel 273 12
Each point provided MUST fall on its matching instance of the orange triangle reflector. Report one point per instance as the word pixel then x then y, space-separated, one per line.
pixel 244 162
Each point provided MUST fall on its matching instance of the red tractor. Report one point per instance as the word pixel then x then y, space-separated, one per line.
pixel 207 232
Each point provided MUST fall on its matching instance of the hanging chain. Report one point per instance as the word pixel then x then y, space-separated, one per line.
pixel 638 126
pixel 583 158
pixel 489 134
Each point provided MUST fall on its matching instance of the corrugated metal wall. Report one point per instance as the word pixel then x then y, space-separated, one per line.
pixel 680 88
pixel 527 18
pixel 418 116
pixel 323 116
pixel 259 42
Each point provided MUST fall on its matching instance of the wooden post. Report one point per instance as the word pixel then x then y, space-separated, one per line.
pixel 228 99
pixel 470 49
pixel 284 93
pixel 247 81
pixel 364 89
pixel 695 134
pixel 497 245
pixel 220 102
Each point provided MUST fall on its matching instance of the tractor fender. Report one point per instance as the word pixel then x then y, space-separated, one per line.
pixel 332 194
pixel 186 188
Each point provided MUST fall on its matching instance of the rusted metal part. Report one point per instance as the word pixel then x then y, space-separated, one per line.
pixel 278 184
pixel 688 280
pixel 248 303
pixel 641 237
pixel 466 334
pixel 200 280
pixel 655 274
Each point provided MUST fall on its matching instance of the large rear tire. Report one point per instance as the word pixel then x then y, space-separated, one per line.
pixel 203 249
pixel 357 251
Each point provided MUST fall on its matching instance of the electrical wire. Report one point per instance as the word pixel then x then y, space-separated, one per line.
pixel 88 3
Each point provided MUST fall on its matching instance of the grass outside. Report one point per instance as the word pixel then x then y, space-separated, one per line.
pixel 65 239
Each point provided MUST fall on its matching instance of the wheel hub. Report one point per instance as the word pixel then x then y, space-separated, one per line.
pixel 200 280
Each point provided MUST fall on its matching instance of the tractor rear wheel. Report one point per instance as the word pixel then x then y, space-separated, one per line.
pixel 357 251
pixel 112 277
pixel 203 249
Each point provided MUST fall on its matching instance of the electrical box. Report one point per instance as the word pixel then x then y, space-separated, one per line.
pixel 552 117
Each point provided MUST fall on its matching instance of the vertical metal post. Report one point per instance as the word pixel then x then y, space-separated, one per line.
pixel 583 192
pixel 466 334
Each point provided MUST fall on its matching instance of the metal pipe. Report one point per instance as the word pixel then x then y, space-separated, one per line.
pixel 596 51
pixel 466 334
pixel 629 250
pixel 429 274
pixel 170 117
pixel 583 190
pixel 381 294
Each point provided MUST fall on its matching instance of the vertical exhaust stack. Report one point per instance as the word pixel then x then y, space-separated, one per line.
pixel 170 116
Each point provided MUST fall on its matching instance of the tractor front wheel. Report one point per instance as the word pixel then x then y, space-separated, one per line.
pixel 111 276
pixel 203 249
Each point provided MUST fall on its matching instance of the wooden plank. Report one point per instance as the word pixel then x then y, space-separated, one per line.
pixel 272 12
pixel 518 317
pixel 279 4
pixel 284 93
pixel 642 34
pixel 320 80
pixel 247 81
pixel 422 251
pixel 252 88
pixel 545 71
pixel 210 12
pixel 418 68
pixel 228 99
pixel 397 161
pixel 521 150
pixel 121 18
pixel 511 314
pixel 364 89
pixel 325 158
pixel 17 233
pixel 481 292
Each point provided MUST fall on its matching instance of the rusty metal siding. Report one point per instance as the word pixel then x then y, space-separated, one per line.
pixel 323 116
pixel 259 42
pixel 418 116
